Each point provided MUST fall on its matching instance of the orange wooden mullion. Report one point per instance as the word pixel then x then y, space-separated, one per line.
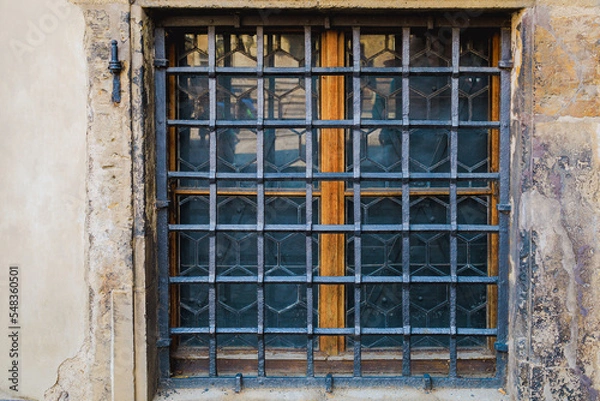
pixel 492 290
pixel 332 246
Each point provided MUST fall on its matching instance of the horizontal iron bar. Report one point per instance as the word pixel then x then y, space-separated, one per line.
pixel 396 71
pixel 337 228
pixel 340 382
pixel 364 123
pixel 336 279
pixel 333 176
pixel 319 71
pixel 337 331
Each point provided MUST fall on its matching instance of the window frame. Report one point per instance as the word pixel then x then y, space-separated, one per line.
pixel 165 228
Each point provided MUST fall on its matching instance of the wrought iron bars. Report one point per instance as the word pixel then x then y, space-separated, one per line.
pixel 407 177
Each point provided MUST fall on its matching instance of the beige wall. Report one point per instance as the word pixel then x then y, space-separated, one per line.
pixel 43 96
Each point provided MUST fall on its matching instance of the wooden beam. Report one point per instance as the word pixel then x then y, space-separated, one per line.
pixel 494 150
pixel 332 159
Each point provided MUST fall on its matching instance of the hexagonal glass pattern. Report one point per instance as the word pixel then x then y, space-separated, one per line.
pixel 286 250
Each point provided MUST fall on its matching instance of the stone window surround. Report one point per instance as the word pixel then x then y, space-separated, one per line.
pixel 120 183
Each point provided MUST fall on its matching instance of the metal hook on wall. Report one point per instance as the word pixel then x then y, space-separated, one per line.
pixel 114 66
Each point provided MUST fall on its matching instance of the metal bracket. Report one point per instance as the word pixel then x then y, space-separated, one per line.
pixel 163 343
pixel 501 347
pixel 427 382
pixel 505 64
pixel 161 204
pixel 504 208
pixel 239 379
pixel 161 63
pixel 114 66
pixel 329 383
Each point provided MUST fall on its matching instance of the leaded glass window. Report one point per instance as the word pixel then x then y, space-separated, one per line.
pixel 333 197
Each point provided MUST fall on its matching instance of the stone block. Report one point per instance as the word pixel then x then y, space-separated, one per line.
pixel 566 70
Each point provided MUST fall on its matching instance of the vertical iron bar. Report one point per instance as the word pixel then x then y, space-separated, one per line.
pixel 310 369
pixel 162 212
pixel 260 199
pixel 405 202
pixel 453 206
pixel 212 259
pixel 356 136
pixel 271 106
pixel 503 218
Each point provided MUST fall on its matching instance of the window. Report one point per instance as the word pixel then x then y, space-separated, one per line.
pixel 333 187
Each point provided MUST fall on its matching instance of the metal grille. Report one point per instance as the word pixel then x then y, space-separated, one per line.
pixel 383 202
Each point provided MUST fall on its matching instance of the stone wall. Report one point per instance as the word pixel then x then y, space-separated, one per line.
pixel 79 187
pixel 556 189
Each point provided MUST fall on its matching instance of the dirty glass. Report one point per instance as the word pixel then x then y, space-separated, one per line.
pixel 381 97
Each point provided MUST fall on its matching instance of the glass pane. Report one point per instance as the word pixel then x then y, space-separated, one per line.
pixel 473 154
pixel 380 152
pixel 236 153
pixel 475 47
pixel 381 50
pixel 192 96
pixel 285 98
pixel 285 306
pixel 429 153
pixel 236 50
pixel 193 311
pixel 472 247
pixel 430 97
pixel 193 209
pixel 381 98
pixel 285 151
pixel 430 306
pixel 381 307
pixel 236 98
pixel 195 50
pixel 473 104
pixel 430 47
pixel 284 50
pixel 193 254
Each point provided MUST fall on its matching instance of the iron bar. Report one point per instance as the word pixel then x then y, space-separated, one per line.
pixel 212 264
pixel 260 202
pixel 504 218
pixel 365 123
pixel 320 71
pixel 302 279
pixel 162 219
pixel 308 89
pixel 406 341
pixel 340 228
pixel 356 170
pixel 448 186
pixel 453 206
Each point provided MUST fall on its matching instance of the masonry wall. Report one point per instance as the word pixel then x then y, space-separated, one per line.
pixel 76 192
pixel 556 196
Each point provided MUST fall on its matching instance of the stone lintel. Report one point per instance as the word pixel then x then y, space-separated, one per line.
pixel 325 4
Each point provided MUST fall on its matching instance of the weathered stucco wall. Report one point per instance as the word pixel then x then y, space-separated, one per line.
pixel 556 191
pixel 43 97
pixel 78 210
